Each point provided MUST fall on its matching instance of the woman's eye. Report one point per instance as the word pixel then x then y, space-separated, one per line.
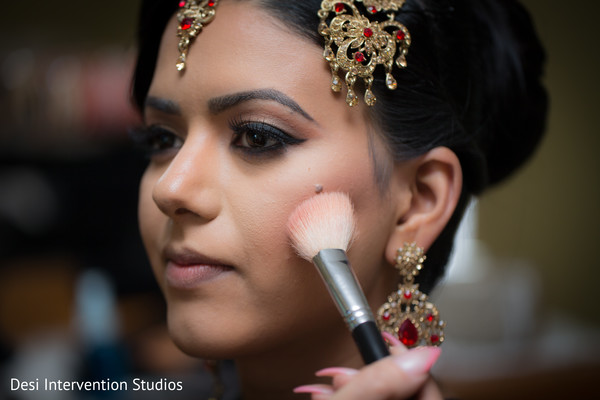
pixel 259 137
pixel 256 139
pixel 154 140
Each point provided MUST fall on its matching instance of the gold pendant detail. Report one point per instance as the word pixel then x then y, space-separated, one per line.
pixel 192 16
pixel 357 44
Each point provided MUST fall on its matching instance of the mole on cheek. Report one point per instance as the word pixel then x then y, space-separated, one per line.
pixel 318 188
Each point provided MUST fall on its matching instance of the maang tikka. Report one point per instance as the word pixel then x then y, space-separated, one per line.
pixel 192 16
pixel 407 314
pixel 362 43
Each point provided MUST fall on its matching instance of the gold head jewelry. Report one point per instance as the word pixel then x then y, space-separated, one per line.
pixel 363 43
pixel 192 16
pixel 407 314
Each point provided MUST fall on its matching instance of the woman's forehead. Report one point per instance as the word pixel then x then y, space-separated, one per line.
pixel 244 39
pixel 245 49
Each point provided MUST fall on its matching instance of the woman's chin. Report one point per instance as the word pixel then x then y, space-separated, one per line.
pixel 200 345
pixel 208 338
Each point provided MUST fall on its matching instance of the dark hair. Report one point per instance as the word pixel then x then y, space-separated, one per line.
pixel 473 84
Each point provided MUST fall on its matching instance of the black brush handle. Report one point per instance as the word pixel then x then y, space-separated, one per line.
pixel 370 343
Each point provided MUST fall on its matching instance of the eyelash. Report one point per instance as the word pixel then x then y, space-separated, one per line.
pixel 243 129
pixel 154 140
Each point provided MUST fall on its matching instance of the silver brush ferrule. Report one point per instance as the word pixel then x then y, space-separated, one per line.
pixel 334 267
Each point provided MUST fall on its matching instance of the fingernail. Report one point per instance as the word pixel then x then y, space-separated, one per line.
pixel 314 389
pixel 419 360
pixel 393 340
pixel 334 371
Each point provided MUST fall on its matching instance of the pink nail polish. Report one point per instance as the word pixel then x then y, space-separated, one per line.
pixel 419 360
pixel 314 389
pixel 334 371
pixel 391 338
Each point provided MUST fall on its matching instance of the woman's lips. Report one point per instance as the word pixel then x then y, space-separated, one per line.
pixel 187 269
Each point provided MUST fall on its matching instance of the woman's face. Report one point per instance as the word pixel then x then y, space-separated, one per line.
pixel 245 134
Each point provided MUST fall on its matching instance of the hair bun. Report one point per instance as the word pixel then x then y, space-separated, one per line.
pixel 512 59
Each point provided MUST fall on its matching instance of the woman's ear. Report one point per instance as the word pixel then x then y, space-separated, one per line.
pixel 434 186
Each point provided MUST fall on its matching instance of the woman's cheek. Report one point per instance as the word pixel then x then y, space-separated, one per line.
pixel 150 220
pixel 144 213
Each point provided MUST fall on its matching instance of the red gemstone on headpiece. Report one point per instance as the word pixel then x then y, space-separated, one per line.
pixel 372 9
pixel 187 23
pixel 211 3
pixel 368 32
pixel 407 333
pixel 434 339
pixel 407 295
pixel 386 316
pixel 339 7
pixel 182 3
pixel 429 317
pixel 359 56
pixel 400 35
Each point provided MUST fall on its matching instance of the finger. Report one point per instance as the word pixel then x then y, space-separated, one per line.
pixel 340 375
pixel 334 371
pixel 430 391
pixel 398 350
pixel 318 392
pixel 395 377
pixel 393 340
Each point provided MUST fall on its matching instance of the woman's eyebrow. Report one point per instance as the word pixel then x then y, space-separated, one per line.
pixel 219 104
pixel 164 105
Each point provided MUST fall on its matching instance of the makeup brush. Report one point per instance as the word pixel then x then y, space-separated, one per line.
pixel 321 229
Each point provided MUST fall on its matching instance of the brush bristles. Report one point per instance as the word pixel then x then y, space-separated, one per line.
pixel 325 221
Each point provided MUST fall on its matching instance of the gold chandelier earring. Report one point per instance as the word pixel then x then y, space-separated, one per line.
pixel 407 314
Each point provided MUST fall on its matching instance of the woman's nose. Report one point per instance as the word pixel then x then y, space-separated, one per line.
pixel 189 185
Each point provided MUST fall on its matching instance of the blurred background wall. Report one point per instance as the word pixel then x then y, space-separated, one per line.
pixel 77 298
pixel 549 213
pixel 520 299
pixel 525 295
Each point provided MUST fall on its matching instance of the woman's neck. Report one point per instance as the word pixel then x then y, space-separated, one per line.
pixel 273 376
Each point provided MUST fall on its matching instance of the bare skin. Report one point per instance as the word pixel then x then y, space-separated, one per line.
pixel 244 135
